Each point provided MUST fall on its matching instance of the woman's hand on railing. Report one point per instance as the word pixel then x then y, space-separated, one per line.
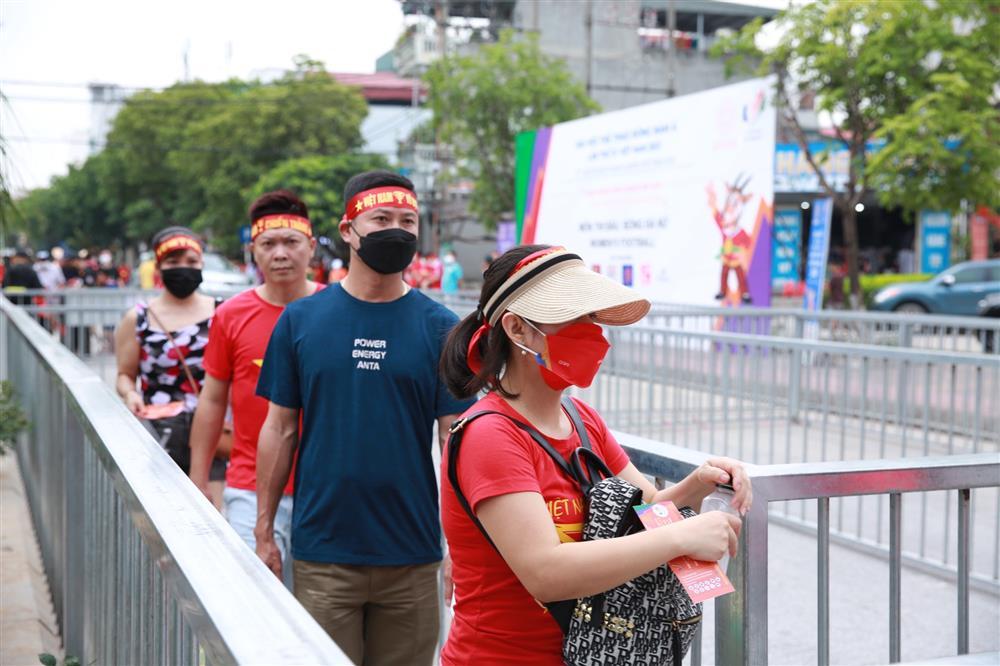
pixel 727 470
pixel 134 403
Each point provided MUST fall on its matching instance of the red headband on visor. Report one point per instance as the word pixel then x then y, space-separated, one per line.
pixel 472 357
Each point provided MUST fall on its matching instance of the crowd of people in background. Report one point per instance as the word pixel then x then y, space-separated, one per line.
pixel 59 269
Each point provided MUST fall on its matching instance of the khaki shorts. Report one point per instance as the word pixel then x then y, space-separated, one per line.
pixel 379 616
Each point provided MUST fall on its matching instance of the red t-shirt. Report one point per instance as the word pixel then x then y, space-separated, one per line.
pixel 240 331
pixel 496 620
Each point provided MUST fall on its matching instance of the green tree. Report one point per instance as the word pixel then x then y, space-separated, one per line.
pixel 73 208
pixel 147 175
pixel 482 101
pixel 914 79
pixel 190 154
pixel 306 113
pixel 319 181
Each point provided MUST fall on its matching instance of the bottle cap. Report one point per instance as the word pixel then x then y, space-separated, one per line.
pixel 726 486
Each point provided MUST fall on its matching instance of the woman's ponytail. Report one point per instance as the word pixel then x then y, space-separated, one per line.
pixel 493 346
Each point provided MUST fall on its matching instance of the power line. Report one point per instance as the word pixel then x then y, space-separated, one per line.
pixel 181 149
pixel 133 101
pixel 57 84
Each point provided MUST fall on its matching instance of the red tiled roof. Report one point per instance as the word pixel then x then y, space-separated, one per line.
pixel 381 86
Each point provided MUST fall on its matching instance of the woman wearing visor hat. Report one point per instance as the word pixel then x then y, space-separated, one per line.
pixel 536 332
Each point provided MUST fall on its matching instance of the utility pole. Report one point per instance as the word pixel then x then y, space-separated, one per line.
pixel 671 48
pixel 441 26
pixel 588 27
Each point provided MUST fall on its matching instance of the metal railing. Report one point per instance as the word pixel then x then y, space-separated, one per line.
pixel 757 398
pixel 84 319
pixel 929 332
pixel 142 568
pixel 741 620
pixel 975 335
pixel 775 400
pixel 162 579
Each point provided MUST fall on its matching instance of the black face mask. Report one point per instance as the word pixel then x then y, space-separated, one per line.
pixel 181 282
pixel 388 251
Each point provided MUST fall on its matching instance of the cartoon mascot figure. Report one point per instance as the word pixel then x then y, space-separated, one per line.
pixel 735 241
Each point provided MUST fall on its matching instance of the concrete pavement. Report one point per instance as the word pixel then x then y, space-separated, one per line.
pixel 27 623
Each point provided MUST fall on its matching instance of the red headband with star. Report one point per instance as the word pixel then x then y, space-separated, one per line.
pixel 378 197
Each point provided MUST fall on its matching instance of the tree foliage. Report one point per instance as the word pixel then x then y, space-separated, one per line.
pixel 319 181
pixel 13 420
pixel 482 101
pixel 191 154
pixel 911 87
pixel 73 208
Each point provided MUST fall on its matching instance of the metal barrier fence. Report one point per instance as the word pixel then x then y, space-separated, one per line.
pixel 758 398
pixel 142 569
pixel 741 620
pixel 84 319
pixel 927 332
pixel 775 400
pixel 162 579
pixel 974 335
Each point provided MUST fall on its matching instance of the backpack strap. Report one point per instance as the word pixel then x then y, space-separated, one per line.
pixel 454 444
pixel 574 415
pixel 455 440
pixel 561 611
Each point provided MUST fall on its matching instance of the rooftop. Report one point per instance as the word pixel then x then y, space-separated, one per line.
pixel 383 87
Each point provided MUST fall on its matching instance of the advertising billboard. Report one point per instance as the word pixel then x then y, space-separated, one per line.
pixel 673 198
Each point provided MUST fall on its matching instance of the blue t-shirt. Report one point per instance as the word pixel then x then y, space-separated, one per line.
pixel 365 376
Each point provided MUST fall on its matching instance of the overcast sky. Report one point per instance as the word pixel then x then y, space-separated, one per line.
pixel 61 45
pixel 51 49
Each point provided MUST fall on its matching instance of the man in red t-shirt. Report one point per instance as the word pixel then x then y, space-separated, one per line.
pixel 282 246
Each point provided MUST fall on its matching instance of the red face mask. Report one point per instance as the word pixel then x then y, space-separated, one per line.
pixel 572 356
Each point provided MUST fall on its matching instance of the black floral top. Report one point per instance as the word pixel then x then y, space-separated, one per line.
pixel 161 374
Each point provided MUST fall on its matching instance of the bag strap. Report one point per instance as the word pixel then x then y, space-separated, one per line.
pixel 588 467
pixel 455 440
pixel 187 370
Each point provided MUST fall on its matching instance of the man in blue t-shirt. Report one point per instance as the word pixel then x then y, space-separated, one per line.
pixel 359 363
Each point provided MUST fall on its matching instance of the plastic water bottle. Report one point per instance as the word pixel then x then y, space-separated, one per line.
pixel 721 499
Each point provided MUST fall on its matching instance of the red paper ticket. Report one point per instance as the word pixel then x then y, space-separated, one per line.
pixel 164 411
pixel 702 580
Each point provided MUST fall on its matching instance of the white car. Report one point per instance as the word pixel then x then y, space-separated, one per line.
pixel 221 278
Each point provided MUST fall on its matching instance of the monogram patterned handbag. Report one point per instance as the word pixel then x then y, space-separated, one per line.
pixel 649 620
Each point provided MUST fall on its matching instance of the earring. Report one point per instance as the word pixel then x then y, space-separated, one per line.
pixel 524 353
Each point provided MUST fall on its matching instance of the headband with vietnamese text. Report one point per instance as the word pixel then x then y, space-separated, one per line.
pixel 174 243
pixel 392 197
pixel 281 221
